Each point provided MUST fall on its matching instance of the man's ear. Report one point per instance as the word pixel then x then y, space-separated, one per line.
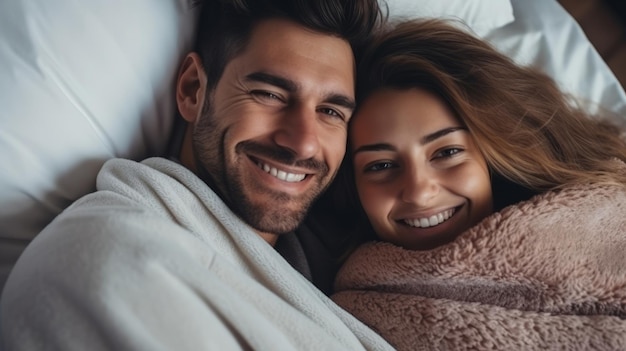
pixel 191 87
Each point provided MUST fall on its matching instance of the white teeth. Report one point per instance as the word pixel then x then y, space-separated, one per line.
pixel 282 175
pixel 431 221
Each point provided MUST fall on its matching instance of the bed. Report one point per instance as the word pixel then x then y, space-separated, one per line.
pixel 82 82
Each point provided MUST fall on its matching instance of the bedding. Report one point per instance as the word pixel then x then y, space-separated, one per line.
pixel 544 35
pixel 173 243
pixel 544 274
pixel 80 82
pixel 482 16
pixel 83 82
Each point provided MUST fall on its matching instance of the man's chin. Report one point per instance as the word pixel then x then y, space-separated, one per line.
pixel 283 224
pixel 269 210
pixel 276 220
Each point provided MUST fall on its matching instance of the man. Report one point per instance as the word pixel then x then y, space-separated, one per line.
pixel 158 260
pixel 299 157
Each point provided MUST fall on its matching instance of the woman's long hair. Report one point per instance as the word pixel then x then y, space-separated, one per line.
pixel 528 130
pixel 532 135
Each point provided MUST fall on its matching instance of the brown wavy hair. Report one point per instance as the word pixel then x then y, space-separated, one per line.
pixel 532 135
pixel 529 131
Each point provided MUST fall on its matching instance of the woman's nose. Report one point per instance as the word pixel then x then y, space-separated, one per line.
pixel 419 186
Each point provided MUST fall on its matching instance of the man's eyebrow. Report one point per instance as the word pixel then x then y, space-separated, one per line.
pixel 291 86
pixel 341 100
pixel 272 79
pixel 424 140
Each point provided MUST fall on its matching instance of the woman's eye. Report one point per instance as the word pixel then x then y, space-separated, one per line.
pixel 381 166
pixel 447 153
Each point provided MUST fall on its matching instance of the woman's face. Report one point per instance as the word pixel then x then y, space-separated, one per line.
pixel 420 177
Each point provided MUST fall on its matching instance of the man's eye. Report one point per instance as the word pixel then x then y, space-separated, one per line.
pixel 266 95
pixel 331 112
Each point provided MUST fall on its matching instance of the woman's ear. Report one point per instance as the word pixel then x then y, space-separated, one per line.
pixel 191 87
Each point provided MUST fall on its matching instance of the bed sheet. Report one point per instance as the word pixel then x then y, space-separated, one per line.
pixel 544 35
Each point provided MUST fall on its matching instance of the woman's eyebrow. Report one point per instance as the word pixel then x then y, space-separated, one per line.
pixel 374 147
pixel 438 134
pixel 424 140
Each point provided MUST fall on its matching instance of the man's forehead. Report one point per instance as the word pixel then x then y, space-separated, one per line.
pixel 286 51
pixel 283 33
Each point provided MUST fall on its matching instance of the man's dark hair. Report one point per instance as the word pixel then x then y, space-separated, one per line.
pixel 225 26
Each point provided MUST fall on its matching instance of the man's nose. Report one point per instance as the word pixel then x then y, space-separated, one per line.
pixel 419 186
pixel 298 131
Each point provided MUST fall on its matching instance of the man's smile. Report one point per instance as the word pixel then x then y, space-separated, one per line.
pixel 280 174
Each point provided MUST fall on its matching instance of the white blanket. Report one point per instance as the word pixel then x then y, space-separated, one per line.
pixel 155 261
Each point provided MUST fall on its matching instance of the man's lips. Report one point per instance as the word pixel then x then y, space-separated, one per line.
pixel 280 174
pixel 280 163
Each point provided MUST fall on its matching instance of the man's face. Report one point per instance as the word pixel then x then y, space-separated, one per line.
pixel 273 131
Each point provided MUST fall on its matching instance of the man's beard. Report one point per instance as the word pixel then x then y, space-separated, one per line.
pixel 282 213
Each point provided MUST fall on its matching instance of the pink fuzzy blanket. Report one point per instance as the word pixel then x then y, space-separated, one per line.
pixel 548 273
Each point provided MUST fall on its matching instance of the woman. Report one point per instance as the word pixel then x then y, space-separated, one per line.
pixel 503 205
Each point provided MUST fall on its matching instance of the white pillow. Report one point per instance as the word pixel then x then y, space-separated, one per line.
pixel 546 36
pixel 481 15
pixel 80 82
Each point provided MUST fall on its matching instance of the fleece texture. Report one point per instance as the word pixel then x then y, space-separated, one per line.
pixel 547 273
